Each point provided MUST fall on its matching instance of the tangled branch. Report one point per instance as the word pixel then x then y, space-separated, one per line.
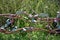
pixel 33 29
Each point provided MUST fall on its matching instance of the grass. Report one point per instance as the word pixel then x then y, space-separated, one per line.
pixel 39 6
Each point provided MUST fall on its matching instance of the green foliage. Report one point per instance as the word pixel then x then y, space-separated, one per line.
pixel 39 6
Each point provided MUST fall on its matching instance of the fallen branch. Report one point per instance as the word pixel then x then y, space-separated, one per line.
pixel 34 29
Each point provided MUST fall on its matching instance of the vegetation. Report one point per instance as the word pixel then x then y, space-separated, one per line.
pixel 39 6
